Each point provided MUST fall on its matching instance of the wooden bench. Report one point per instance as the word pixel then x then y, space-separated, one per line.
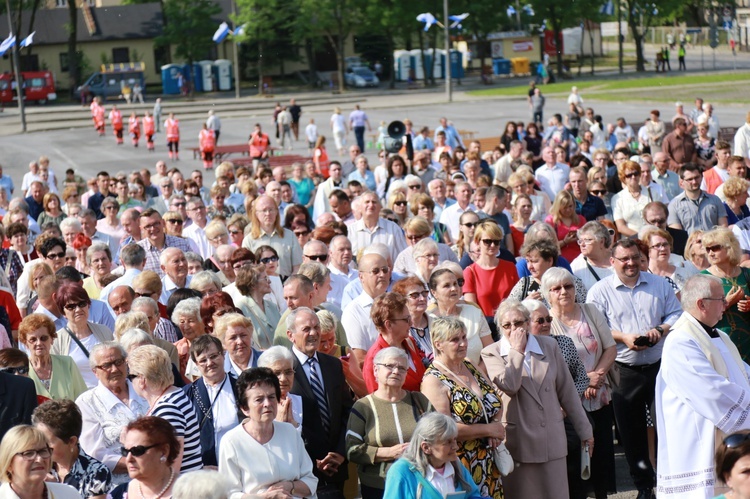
pixel 488 143
pixel 222 152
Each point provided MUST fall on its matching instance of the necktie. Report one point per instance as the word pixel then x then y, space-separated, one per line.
pixel 320 396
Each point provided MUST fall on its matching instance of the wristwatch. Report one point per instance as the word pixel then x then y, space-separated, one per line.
pixel 660 329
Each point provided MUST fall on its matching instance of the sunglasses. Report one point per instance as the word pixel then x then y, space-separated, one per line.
pixel 302 233
pixel 491 242
pixel 400 203
pixel 715 248
pixel 377 270
pixel 542 320
pixel 319 258
pixel 415 187
pixel 269 259
pixel 174 221
pixel 15 370
pixel 136 451
pixel 416 295
pixel 598 192
pixel 632 174
pixel 72 306
pixel 179 205
pixel 736 439
pixel 470 225
pixel 55 256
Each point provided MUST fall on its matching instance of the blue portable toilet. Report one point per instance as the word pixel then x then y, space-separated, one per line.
pixel 196 77
pixel 457 67
pixel 169 74
pixel 429 67
pixel 223 74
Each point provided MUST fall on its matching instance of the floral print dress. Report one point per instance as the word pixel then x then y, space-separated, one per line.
pixel 466 409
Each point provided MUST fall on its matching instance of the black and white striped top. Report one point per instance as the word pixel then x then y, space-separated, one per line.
pixel 176 408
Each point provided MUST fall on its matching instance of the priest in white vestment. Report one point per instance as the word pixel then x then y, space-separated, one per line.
pixel 703 385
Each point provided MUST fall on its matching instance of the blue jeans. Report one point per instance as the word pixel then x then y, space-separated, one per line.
pixel 359 132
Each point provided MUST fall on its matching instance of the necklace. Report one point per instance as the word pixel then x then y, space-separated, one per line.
pixel 162 491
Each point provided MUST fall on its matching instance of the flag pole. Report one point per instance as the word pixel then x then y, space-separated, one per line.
pixel 16 68
pixel 236 47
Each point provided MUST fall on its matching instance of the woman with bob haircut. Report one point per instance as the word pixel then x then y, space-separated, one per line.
pixel 430 468
pixel 25 461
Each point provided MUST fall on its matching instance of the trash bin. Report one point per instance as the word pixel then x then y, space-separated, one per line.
pixel 223 70
pixel 501 66
pixel 520 65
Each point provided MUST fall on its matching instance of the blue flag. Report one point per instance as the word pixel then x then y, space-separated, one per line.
pixel 221 33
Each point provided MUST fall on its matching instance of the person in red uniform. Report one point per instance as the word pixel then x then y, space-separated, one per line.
pixel 134 128
pixel 92 107
pixel 98 112
pixel 115 117
pixel 172 125
pixel 207 143
pixel 258 143
pixel 148 130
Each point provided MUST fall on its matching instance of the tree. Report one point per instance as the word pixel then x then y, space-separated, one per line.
pixel 261 20
pixel 73 57
pixel 484 18
pixel 641 16
pixel 190 28
pixel 168 51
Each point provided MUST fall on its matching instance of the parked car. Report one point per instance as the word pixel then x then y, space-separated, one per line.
pixel 361 77
pixel 38 86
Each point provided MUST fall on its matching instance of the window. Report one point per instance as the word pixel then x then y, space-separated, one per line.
pixel 160 58
pixel 120 54
pixel 61 3
pixel 64 66
pixel 29 62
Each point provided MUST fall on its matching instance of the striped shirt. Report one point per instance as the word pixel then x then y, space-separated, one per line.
pixel 176 408
pixel 153 253
pixel 385 232
pixel 166 330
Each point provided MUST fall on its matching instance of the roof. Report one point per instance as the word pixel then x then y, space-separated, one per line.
pixel 125 22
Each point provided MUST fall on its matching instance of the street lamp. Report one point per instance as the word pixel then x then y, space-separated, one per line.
pixel 447 29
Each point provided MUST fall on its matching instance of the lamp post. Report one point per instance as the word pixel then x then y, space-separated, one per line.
pixel 17 69
pixel 236 45
pixel 447 29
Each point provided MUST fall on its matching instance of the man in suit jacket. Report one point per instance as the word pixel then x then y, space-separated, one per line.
pixel 535 381
pixel 17 401
pixel 323 433
pixel 217 411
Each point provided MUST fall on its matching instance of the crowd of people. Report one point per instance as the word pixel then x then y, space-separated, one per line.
pixel 401 329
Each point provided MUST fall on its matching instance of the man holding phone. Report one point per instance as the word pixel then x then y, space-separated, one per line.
pixel 640 308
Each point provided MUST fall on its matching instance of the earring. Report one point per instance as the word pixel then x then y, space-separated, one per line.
pixel 163 459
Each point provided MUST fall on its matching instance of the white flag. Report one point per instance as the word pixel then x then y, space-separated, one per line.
pixel 28 40
pixel 7 44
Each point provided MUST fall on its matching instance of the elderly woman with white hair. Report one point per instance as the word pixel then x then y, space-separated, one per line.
pixel 236 334
pixel 587 327
pixel 139 320
pixel 429 467
pixel 427 257
pixel 417 229
pixel 187 316
pixel 280 360
pixel 203 484
pixel 381 424
pixel 205 282
pixel 520 360
pixel 152 378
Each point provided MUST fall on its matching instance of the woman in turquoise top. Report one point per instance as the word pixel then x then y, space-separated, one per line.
pixel 430 468
pixel 303 185
pixel 732 463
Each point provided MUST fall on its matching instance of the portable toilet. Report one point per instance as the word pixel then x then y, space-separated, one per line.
pixel 428 63
pixel 207 75
pixel 223 71
pixel 438 70
pixel 169 74
pixel 197 77
pixel 416 64
pixel 457 66
pixel 401 64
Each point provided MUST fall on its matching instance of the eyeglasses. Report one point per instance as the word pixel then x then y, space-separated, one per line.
pixel 15 370
pixel 136 451
pixel 55 256
pixel 736 439
pixel 234 232
pixel 714 249
pixel 415 187
pixel 491 242
pixel 515 325
pixel 110 207
pixel 197 208
pixel 30 455
pixel 179 205
pixel 286 372
pixel 418 294
pixel 586 242
pixel 319 258
pixel 659 246
pixel 142 294
pixel 598 192
pixel 722 300
pixel 627 259
pixel 70 307
pixel 697 178
pixel 71 258
pixel 414 237
pixel 209 358
pixel 470 225
pixel 239 265
pixel 377 270
pixel 632 174
pixel 108 365
pixel 174 221
pixel 394 367
pixel 400 203
pixel 152 226
pixel 302 233
pixel 558 289
pixel 542 320
pixel 269 259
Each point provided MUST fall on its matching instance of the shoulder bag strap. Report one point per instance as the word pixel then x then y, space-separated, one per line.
pixel 78 342
pixel 591 269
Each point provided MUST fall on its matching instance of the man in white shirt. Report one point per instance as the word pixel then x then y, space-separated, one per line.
pixel 712 121
pixel 502 167
pixel 373 229
pixel 339 263
pixel 702 387
pixel 195 232
pixel 552 176
pixel 360 330
pixel 335 181
pixel 437 190
pixel 451 215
